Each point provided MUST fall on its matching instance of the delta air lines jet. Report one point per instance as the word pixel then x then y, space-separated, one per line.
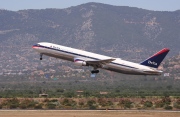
pixel 97 61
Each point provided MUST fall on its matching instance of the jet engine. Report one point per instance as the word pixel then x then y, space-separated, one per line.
pixel 79 62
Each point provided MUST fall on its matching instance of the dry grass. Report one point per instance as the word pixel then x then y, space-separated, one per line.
pixel 48 113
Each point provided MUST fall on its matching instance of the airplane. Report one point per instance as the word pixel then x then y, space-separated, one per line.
pixel 97 61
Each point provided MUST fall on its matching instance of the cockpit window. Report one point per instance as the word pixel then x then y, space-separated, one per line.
pixel 37 45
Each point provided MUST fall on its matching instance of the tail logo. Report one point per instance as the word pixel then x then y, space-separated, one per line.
pixel 155 60
pixel 152 63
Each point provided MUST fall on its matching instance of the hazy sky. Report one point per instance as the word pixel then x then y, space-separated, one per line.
pixel 158 5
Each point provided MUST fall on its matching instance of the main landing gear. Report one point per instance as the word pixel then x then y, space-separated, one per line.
pixel 41 56
pixel 94 73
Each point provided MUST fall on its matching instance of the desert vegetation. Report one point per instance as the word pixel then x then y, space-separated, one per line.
pixel 166 103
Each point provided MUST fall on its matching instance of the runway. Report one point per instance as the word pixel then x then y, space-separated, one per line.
pixel 88 113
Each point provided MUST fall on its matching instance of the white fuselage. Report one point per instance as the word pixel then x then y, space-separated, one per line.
pixel 118 65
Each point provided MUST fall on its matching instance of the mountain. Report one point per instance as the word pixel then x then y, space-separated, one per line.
pixel 126 32
pixel 172 67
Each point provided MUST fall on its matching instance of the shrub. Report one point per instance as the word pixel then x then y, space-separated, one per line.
pixel 177 104
pixel 73 103
pixel 13 106
pixel 91 104
pixel 39 106
pixel 93 107
pixel 27 104
pixel 125 103
pixel 81 103
pixel 54 100
pixel 167 107
pixel 1 106
pixel 23 106
pixel 164 101
pixel 32 104
pixel 148 104
pixel 51 106
pixel 109 103
pixel 102 102
pixel 159 104
pixel 46 100
pixel 68 102
pixel 12 103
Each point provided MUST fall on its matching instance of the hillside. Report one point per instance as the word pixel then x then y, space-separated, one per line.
pixel 126 32
pixel 172 67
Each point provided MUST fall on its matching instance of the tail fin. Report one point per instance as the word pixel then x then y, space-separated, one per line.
pixel 155 60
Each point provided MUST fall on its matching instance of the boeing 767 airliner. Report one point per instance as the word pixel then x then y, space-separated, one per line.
pixel 97 61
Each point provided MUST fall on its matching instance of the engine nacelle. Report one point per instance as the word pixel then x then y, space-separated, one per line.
pixel 79 62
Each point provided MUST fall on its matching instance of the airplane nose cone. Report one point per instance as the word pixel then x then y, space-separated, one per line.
pixel 36 46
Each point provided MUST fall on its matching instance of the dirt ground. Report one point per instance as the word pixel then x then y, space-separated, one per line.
pixel 48 113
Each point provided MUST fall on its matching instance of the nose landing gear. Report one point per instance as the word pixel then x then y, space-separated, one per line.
pixel 41 56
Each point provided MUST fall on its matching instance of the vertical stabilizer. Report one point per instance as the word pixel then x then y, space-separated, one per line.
pixel 155 60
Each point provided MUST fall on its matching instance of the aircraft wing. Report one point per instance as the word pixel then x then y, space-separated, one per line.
pixel 100 62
